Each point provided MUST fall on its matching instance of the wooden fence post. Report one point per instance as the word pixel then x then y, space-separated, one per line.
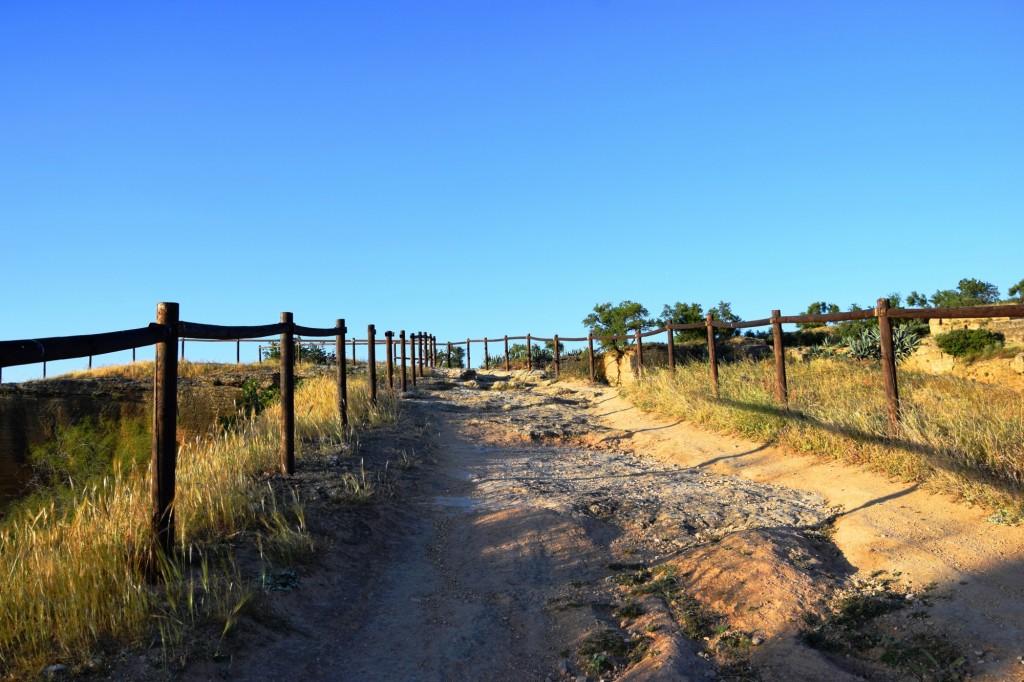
pixel 405 377
pixel 781 389
pixel 287 397
pixel 423 353
pixel 133 356
pixel 90 362
pixel 671 351
pixel 558 360
pixel 529 355
pixel 487 357
pixel 712 355
pixel 371 360
pixel 433 348
pixel 508 364
pixel 449 355
pixel 389 349
pixel 298 351
pixel 413 340
pixel 353 352
pixel 469 364
pixel 165 428
pixel 892 393
pixel 183 348
pixel 639 354
pixel 590 354
pixel 339 350
pixel 238 351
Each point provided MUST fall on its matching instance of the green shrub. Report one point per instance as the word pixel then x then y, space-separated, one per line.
pixel 962 342
pixel 89 449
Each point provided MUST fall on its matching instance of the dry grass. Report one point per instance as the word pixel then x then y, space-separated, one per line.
pixel 73 580
pixel 958 436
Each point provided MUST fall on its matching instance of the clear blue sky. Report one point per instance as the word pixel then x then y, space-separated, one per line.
pixel 481 168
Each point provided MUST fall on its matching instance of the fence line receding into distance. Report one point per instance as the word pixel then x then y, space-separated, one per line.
pixel 168 334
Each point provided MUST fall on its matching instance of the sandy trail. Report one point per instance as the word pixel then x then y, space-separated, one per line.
pixel 527 542
pixel 884 525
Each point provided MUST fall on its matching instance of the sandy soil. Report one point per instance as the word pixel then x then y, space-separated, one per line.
pixel 525 529
pixel 883 525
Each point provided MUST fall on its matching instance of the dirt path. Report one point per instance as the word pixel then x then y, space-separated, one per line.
pixel 977 565
pixel 541 530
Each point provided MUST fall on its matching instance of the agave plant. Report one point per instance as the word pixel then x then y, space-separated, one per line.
pixel 868 346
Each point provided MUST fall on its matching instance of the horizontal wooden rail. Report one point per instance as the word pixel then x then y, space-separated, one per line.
pixel 684 327
pixel 29 351
pixel 315 331
pixel 197 330
pixel 830 317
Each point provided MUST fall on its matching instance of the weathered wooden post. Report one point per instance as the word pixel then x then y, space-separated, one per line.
pixel 339 350
pixel 590 355
pixel 353 352
pixel 892 393
pixel 433 350
pixel 405 378
pixel 671 346
pixel 165 428
pixel 44 369
pixel 639 354
pixel 183 348
pixel 558 361
pixel 423 353
pixel 371 360
pixel 449 355
pixel 487 357
pixel 389 364
pixel 469 363
pixel 298 351
pixel 238 351
pixel 413 340
pixel 133 356
pixel 781 389
pixel 712 355
pixel 287 397
pixel 90 362
pixel 529 354
pixel 508 363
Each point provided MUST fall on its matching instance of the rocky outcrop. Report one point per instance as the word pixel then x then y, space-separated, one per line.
pixel 1012 329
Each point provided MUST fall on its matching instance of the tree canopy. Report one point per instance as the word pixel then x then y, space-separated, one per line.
pixel 617 320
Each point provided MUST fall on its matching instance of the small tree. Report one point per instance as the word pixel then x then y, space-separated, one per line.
pixel 458 356
pixel 684 313
pixel 967 293
pixel 1016 292
pixel 723 313
pixel 618 320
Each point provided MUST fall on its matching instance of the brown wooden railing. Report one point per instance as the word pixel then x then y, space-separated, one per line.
pixel 882 312
pixel 165 334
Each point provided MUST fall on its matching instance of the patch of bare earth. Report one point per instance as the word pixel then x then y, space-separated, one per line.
pixel 524 529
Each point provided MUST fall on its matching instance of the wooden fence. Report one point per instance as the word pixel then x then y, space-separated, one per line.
pixel 882 312
pixel 168 334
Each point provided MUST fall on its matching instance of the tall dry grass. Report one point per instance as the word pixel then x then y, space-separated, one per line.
pixel 957 436
pixel 73 579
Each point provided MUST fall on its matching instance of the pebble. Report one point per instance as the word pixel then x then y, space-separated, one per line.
pixel 55 669
pixel 757 641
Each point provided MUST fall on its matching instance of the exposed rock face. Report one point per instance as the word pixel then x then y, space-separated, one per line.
pixel 1017 364
pixel 1011 329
